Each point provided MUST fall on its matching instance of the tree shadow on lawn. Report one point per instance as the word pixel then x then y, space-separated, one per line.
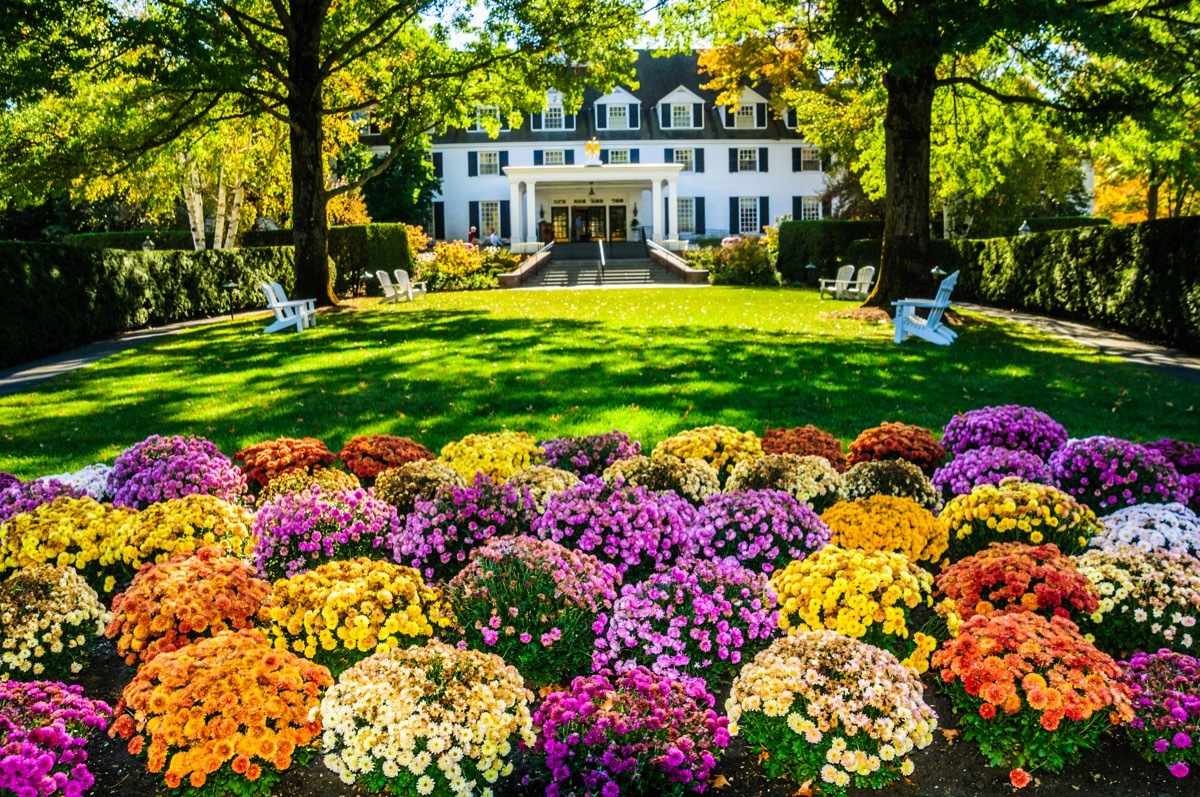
pixel 437 375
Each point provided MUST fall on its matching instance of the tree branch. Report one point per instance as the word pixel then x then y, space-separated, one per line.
pixel 1007 99
pixel 337 59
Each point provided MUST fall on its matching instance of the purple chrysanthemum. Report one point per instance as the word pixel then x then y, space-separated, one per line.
pixel 7 480
pixel 761 529
pixel 162 468
pixel 45 727
pixel 589 454
pixel 28 496
pixel 1008 426
pixel 988 465
pixel 1108 473
pixel 1164 688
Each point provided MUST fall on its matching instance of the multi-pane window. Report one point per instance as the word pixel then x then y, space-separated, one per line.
pixel 810 208
pixel 744 117
pixel 489 163
pixel 747 219
pixel 687 214
pixel 365 126
pixel 618 116
pixel 553 118
pixel 810 159
pixel 554 157
pixel 747 159
pixel 686 157
pixel 484 111
pixel 618 157
pixel 489 218
pixel 681 114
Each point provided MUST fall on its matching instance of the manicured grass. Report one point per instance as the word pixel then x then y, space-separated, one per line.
pixel 650 362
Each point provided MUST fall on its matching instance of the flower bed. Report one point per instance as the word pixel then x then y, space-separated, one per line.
pixel 698 619
pixel 161 468
pixel 50 617
pixel 887 523
pixel 1009 426
pixel 589 455
pixel 863 595
pixel 988 465
pixel 298 480
pixel 820 707
pixel 637 530
pixel 1017 511
pixel 805 441
pixel 227 711
pixel 898 478
pixel 693 478
pixel 182 600
pixel 1108 473
pixel 497 456
pixel 79 532
pixel 541 482
pixel 898 441
pixel 402 487
pixel 340 612
pixel 426 720
pixel 1152 527
pixel 366 456
pixel 439 535
pixel 265 461
pixel 44 731
pixel 298 531
pixel 761 529
pixel 719 446
pixel 536 604
pixel 809 479
pixel 633 733
pixel 1030 692
pixel 1164 688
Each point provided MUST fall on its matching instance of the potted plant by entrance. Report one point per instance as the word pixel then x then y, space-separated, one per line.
pixel 635 229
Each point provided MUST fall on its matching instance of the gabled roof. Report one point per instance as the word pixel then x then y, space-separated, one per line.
pixel 680 94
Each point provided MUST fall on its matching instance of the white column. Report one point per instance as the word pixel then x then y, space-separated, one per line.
pixel 514 212
pixel 673 210
pixel 531 214
pixel 656 208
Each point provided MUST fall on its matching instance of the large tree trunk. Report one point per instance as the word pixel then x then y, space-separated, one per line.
pixel 904 264
pixel 193 200
pixel 219 217
pixel 235 217
pixel 309 223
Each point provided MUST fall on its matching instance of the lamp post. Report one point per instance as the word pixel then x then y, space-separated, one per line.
pixel 362 282
pixel 229 288
pixel 148 245
pixel 810 274
pixel 1024 229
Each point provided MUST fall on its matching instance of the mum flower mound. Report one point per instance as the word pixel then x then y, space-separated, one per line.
pixel 159 468
pixel 864 595
pixel 341 612
pixel 298 531
pixel 497 456
pixel 182 525
pixel 692 478
pixel 633 733
pixel 635 529
pixel 366 456
pixel 810 480
pixel 21 497
pixel 898 441
pixel 1017 511
pixel 49 617
pixel 805 441
pixel 886 523
pixel 719 446
pixel 44 731
pixel 227 711
pixel 426 720
pixel 589 455
pixel 1165 690
pixel 1108 473
pixel 183 600
pixel 541 482
pixel 828 709
pixel 895 477
pixel 536 604
pixel 439 534
pixel 270 459
pixel 1031 692
pixel 92 479
pixel 300 479
pixel 1013 576
pixel 699 619
pixel 761 529
pixel 988 465
pixel 1009 426
pixel 421 479
pixel 1152 527
pixel 1147 600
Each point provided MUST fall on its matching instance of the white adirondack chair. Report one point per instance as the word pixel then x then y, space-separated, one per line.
pixel 862 283
pixel 931 327
pixel 309 306
pixel 837 287
pixel 390 293
pixel 286 314
pixel 405 285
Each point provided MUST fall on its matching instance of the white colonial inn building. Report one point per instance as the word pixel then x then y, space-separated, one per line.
pixel 672 165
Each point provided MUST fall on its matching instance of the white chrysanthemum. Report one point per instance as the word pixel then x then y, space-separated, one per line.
pixel 93 479
pixel 1152 527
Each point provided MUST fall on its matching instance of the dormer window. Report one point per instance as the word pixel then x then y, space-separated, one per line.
pixel 619 110
pixel 750 113
pixel 485 112
pixel 552 119
pixel 681 109
pixel 681 115
pixel 618 117
pixel 743 118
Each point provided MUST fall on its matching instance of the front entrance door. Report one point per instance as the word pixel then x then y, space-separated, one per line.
pixel 589 223
pixel 560 217
pixel 616 222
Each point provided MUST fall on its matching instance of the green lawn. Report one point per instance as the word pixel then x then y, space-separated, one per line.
pixel 650 362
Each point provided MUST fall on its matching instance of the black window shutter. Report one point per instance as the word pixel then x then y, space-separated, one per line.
pixel 505 219
pixel 699 160
pixel 797 158
pixel 824 161
pixel 668 155
pixel 797 208
pixel 826 208
pixel 760 114
pixel 537 157
pixel 439 220
pixel 764 212
pixel 571 119
pixel 699 215
pixel 504 158
pixel 635 116
pixel 697 114
pixel 601 116
pixel 535 121
pixel 733 159
pixel 762 159
pixel 735 226
pixel 664 115
pixel 635 155
pixel 472 164
pixel 604 156
pixel 437 165
pixel 729 117
pixel 473 215
pixel 569 157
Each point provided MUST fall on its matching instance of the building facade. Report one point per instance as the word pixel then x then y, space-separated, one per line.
pixel 669 163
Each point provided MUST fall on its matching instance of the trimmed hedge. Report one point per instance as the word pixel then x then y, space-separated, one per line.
pixel 355 249
pixel 132 241
pixel 822 243
pixel 59 296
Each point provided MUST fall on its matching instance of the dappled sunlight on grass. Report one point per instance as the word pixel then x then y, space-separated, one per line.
pixel 650 362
